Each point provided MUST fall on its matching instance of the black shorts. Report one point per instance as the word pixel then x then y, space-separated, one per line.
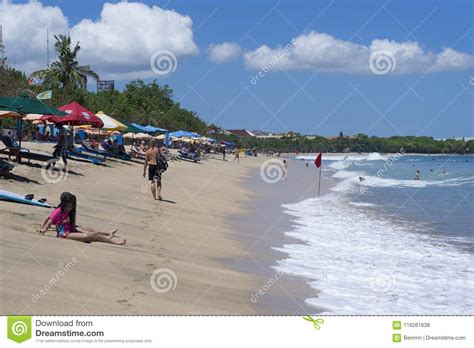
pixel 153 172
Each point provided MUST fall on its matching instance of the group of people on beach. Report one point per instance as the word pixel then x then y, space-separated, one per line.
pixel 63 216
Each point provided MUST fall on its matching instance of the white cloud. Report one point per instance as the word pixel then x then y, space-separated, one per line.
pixel 24 32
pixel 117 45
pixel 322 52
pixel 127 35
pixel 224 52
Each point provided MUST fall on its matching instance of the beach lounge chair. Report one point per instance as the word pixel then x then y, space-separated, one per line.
pixel 108 149
pixel 136 152
pixel 190 156
pixel 5 167
pixel 11 151
pixel 77 155
pixel 86 147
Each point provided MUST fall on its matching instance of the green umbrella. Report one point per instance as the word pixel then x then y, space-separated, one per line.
pixel 26 105
pixel 131 128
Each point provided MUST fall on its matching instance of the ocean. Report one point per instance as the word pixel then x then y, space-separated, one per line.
pixel 387 244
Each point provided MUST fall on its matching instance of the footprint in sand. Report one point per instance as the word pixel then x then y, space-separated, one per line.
pixel 124 303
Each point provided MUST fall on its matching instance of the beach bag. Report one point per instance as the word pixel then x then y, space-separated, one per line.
pixel 162 163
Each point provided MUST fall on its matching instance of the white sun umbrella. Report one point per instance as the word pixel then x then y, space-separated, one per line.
pixel 142 136
pixel 32 117
pixel 111 123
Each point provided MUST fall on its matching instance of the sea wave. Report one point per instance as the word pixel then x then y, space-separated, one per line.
pixel 366 264
pixel 352 182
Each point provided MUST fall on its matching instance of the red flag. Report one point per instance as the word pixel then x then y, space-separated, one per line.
pixel 318 159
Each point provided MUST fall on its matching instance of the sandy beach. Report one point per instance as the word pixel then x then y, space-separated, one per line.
pixel 184 234
pixel 204 237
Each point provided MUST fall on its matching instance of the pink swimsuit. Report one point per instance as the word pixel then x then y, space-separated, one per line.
pixel 62 222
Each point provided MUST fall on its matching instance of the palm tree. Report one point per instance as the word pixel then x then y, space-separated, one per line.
pixel 65 72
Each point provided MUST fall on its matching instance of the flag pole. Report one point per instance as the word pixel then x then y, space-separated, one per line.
pixel 318 162
pixel 319 182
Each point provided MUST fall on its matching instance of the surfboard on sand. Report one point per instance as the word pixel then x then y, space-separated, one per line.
pixel 14 197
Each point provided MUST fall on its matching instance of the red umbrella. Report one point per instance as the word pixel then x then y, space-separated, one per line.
pixel 77 115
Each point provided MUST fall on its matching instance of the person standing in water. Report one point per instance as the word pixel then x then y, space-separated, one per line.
pixel 417 176
pixel 285 170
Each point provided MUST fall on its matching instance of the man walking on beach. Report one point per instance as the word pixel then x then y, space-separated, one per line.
pixel 155 169
pixel 60 149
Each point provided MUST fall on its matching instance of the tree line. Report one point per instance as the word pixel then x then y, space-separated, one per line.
pixel 360 143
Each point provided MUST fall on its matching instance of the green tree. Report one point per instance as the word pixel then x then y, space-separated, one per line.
pixel 65 72
pixel 12 82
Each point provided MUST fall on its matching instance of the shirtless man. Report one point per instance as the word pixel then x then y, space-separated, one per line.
pixel 154 175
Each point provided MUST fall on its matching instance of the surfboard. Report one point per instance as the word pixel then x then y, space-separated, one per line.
pixel 14 197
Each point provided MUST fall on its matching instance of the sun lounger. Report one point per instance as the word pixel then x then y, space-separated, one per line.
pixel 12 151
pixel 72 154
pixel 191 156
pixel 109 151
pixel 86 147
pixel 136 152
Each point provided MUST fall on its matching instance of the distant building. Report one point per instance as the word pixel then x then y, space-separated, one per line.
pixel 241 133
pixel 105 85
pixel 270 136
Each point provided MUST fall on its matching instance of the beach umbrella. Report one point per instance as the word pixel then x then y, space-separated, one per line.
pixel 76 115
pixel 32 117
pixel 111 123
pixel 131 128
pixel 142 135
pixel 11 114
pixel 26 105
pixel 181 133
pixel 129 135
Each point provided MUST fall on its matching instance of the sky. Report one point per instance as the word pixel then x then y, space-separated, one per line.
pixel 381 68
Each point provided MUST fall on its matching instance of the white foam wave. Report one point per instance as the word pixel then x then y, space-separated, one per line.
pixel 362 204
pixel 366 264
pixel 374 156
pixel 340 165
pixel 352 181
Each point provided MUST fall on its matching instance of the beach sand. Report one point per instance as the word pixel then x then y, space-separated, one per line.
pixel 192 237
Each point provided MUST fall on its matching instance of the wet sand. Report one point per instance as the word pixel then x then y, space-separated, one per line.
pixel 264 229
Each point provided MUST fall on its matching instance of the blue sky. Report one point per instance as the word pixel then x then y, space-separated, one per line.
pixel 315 100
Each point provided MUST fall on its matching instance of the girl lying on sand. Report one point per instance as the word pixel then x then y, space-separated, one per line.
pixel 64 217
